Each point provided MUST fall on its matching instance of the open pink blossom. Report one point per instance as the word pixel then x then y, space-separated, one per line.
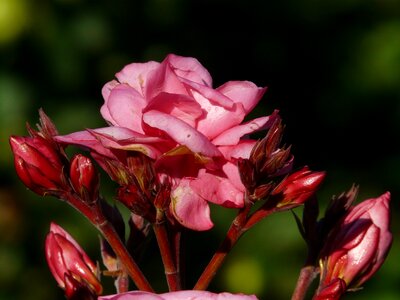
pixel 180 295
pixel 170 112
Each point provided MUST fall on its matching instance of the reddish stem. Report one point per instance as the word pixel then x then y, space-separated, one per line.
pixel 171 272
pixel 96 217
pixel 307 275
pixel 234 233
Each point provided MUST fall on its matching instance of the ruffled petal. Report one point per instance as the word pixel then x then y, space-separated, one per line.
pixel 232 172
pixel 189 68
pixel 163 79
pixel 189 209
pixel 107 88
pixel 136 74
pixel 218 190
pixel 234 134
pixel 241 150
pixel 86 140
pixel 125 139
pixel 244 92
pixel 182 107
pixel 181 132
pixel 125 107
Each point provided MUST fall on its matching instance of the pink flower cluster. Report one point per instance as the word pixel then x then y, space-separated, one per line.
pixel 173 144
pixel 170 112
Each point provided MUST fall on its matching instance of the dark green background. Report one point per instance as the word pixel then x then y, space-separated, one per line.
pixel 332 68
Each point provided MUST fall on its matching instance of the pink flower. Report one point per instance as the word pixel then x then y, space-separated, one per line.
pixel 195 133
pixel 71 267
pixel 180 295
pixel 358 245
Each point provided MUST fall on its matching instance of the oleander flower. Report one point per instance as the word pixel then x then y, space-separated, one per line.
pixel 194 133
pixel 180 295
pixel 358 245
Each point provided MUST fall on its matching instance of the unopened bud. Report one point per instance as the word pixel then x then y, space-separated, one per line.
pixel 296 188
pixel 332 291
pixel 70 265
pixel 38 164
pixel 358 245
pixel 84 178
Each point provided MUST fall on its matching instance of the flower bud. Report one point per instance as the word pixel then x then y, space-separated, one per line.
pixel 69 264
pixel 358 245
pixel 84 178
pixel 332 291
pixel 296 188
pixel 38 164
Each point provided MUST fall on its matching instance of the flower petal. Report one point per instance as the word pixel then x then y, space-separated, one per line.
pixel 218 190
pixel 181 132
pixel 244 92
pixel 241 150
pixel 86 140
pixel 190 69
pixel 232 136
pixel 124 106
pixel 182 107
pixel 191 210
pixel 163 79
pixel 136 74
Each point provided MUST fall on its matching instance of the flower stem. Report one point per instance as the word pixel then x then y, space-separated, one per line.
pixel 94 214
pixel 120 250
pixel 307 275
pixel 171 273
pixel 234 233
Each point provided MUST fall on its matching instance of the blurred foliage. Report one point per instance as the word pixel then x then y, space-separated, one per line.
pixel 332 68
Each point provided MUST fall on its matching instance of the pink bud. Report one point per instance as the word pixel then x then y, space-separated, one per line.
pixel 84 178
pixel 38 164
pixel 296 188
pixel 359 243
pixel 69 264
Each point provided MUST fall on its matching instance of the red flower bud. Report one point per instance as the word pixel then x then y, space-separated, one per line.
pixel 359 243
pixel 332 291
pixel 38 164
pixel 69 264
pixel 84 178
pixel 296 188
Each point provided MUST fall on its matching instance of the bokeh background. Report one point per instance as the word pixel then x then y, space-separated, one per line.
pixel 332 68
